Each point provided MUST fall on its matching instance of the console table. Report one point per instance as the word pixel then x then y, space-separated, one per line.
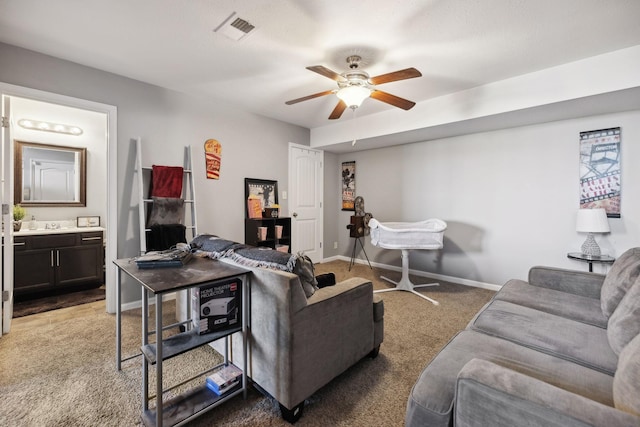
pixel 160 281
pixel 602 259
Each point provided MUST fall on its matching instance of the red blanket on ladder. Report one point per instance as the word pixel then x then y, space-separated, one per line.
pixel 166 181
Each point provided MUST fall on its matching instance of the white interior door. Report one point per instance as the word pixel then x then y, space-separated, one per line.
pixel 306 179
pixel 52 180
pixel 6 267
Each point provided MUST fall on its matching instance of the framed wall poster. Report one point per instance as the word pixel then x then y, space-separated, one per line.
pixel 265 190
pixel 600 170
pixel 348 186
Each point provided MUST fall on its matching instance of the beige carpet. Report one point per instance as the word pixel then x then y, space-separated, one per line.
pixel 63 372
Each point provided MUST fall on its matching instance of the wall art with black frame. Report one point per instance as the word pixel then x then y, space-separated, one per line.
pixel 265 190
pixel 348 186
pixel 600 176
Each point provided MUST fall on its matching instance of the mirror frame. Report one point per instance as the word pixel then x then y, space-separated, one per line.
pixel 18 174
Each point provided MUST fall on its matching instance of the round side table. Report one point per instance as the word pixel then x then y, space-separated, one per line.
pixel 590 259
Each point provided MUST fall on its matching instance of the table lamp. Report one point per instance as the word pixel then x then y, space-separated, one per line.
pixel 591 221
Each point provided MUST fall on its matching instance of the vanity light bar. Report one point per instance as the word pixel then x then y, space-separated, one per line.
pixel 49 127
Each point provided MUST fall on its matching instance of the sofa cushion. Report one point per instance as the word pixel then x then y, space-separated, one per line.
pixel 575 282
pixel 578 342
pixel 488 394
pixel 624 323
pixel 626 382
pixel 624 272
pixel 572 306
pixel 431 399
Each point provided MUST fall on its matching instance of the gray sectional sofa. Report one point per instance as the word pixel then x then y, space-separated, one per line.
pixel 562 349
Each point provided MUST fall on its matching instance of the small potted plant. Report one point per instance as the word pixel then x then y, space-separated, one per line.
pixel 18 214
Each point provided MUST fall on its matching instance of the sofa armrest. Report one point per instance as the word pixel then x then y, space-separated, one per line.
pixel 570 281
pixel 490 394
pixel 340 288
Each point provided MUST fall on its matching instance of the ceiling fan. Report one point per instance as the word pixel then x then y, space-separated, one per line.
pixel 355 85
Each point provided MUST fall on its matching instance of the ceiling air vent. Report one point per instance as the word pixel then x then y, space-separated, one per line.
pixel 234 27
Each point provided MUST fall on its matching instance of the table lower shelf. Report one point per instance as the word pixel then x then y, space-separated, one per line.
pixel 185 341
pixel 189 404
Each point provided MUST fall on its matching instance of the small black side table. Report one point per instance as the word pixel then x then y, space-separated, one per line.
pixel 602 259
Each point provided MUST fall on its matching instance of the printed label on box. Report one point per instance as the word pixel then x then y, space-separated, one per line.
pixel 217 307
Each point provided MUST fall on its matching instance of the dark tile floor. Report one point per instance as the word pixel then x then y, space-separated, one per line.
pixel 25 307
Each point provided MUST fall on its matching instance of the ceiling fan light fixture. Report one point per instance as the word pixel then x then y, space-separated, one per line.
pixel 353 96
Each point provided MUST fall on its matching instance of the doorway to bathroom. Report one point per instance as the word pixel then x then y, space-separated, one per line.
pixel 97 136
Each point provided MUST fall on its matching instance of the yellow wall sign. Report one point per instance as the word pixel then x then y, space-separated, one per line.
pixel 213 154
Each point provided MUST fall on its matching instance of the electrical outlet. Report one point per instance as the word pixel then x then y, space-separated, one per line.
pixel 335 245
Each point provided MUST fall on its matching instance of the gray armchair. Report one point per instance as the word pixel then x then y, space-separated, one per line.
pixel 299 344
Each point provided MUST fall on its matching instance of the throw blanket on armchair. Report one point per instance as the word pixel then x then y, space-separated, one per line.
pixel 251 256
pixel 216 248
pixel 267 258
pixel 212 246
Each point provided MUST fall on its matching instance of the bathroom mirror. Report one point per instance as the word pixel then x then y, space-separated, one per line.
pixel 49 175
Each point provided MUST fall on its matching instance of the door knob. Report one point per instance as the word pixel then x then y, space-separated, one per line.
pixel 295 215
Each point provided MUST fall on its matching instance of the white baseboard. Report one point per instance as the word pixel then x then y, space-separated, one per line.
pixel 152 300
pixel 458 280
pixel 335 258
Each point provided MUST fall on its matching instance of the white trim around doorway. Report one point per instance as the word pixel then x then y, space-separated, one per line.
pixel 111 137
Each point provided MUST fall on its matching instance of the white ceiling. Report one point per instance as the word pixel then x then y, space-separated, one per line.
pixel 456 44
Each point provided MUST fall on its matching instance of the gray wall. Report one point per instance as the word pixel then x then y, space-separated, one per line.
pixel 332 221
pixel 252 146
pixel 509 197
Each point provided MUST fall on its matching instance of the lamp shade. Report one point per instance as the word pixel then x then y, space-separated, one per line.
pixel 353 95
pixel 592 221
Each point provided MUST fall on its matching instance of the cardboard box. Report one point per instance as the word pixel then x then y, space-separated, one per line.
pixel 217 307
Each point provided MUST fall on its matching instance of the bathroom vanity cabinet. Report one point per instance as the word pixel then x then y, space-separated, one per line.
pixel 52 261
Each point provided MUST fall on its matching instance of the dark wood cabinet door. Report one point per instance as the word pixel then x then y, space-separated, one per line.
pixel 79 265
pixel 48 262
pixel 33 270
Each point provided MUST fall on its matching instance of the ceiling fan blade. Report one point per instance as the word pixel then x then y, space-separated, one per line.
pixel 408 73
pixel 305 98
pixel 337 112
pixel 324 71
pixel 396 101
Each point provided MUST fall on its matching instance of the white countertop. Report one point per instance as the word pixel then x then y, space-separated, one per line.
pixel 41 231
